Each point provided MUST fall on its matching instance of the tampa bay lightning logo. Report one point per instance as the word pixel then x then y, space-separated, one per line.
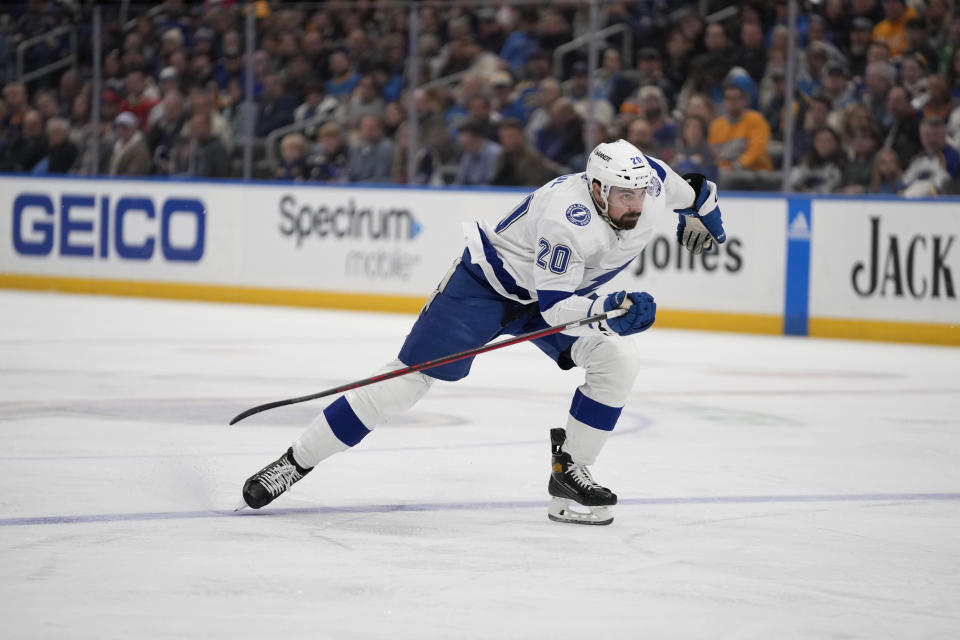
pixel 654 186
pixel 578 214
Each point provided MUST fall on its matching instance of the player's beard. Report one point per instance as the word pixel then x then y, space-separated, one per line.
pixel 628 220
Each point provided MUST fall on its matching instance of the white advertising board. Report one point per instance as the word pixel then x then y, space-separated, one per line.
pixel 745 275
pixel 889 260
pixel 393 241
pixel 370 240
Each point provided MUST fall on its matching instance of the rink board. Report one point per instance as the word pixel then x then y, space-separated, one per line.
pixel 866 268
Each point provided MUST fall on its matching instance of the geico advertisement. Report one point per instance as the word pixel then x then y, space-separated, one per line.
pixel 886 260
pixel 119 229
pixel 387 240
pixel 745 274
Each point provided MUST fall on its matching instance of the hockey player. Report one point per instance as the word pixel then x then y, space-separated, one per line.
pixel 538 267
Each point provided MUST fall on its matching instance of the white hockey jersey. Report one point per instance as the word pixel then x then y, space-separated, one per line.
pixel 555 248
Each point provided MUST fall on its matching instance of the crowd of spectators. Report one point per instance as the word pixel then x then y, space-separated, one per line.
pixel 876 107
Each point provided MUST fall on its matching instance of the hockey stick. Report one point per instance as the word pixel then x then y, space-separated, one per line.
pixel 533 335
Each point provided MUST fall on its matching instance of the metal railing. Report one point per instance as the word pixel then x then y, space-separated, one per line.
pixel 67 61
pixel 584 41
pixel 270 142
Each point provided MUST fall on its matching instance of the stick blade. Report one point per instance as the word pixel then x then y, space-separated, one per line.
pixel 247 414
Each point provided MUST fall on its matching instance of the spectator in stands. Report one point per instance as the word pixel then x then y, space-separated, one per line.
pixel 131 155
pixel 952 72
pixel 30 147
pixel 693 153
pixel 63 153
pixel 640 134
pixel 45 101
pixel 164 133
pixel 810 80
pixel 654 109
pixel 140 97
pixel 938 23
pixel 856 117
pixel 562 138
pixel 609 79
pixel 838 90
pixel 953 128
pixel 426 163
pixel 15 98
pixel 887 174
pixel 549 90
pixel 936 168
pixel 814 120
pixel 903 134
pixel 394 115
pixel 342 76
pixel 519 164
pixel 821 170
pixel 329 158
pixel 861 33
pixel 293 158
pixel 553 30
pixel 296 75
pixel 913 74
pixel 692 28
pixel 478 155
pixel 892 29
pixel 739 137
pixel 869 9
pixel 69 89
pixel 522 41
pixel 936 103
pixel 577 88
pixel 365 100
pixel 858 172
pixel 700 105
pixel 677 61
pixel 480 110
pixel 880 77
pixel 202 103
pixel 918 45
pixel 203 154
pixel 169 83
pixel 317 104
pixel 371 158
pixel 753 52
pixel 433 132
pixel 592 136
pixel 503 100
pixel 719 48
pixel 360 50
pixel 650 73
pixel 276 107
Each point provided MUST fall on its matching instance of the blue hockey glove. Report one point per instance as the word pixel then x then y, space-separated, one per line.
pixel 700 225
pixel 641 310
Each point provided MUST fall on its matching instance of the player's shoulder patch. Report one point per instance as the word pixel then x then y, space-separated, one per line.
pixel 578 214
pixel 655 186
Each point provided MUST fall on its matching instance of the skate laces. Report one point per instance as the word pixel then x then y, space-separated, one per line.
pixel 581 475
pixel 278 479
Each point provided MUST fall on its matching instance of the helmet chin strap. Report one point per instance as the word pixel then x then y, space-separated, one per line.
pixel 604 211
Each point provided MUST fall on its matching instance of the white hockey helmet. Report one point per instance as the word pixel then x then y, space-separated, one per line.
pixel 616 164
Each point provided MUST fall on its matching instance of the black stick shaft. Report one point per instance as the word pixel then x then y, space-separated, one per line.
pixel 533 335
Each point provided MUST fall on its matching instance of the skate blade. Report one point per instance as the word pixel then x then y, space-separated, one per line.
pixel 562 510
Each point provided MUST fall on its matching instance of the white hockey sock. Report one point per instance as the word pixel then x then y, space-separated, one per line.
pixel 317 443
pixel 584 442
pixel 357 413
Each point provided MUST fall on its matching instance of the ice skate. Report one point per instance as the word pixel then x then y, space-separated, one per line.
pixel 266 485
pixel 571 485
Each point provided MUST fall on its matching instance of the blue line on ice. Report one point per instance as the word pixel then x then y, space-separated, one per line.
pixel 470 506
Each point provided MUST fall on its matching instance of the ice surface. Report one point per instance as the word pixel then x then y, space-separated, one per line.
pixel 770 487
